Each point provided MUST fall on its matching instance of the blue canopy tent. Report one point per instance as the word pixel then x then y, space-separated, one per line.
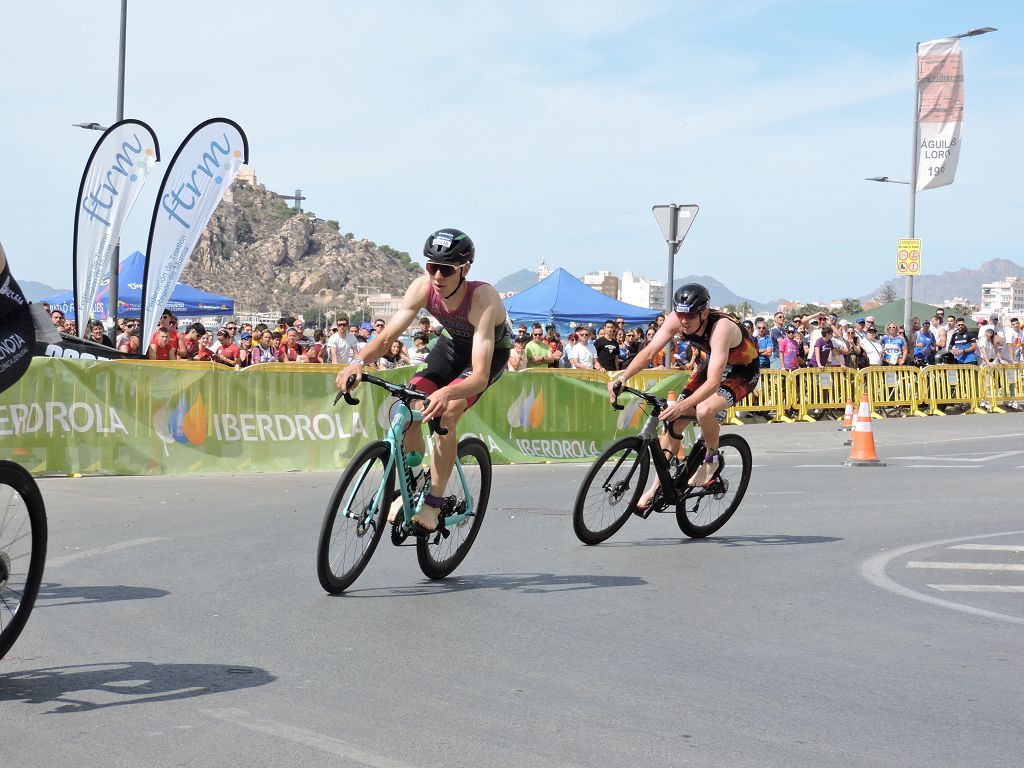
pixel 185 301
pixel 561 298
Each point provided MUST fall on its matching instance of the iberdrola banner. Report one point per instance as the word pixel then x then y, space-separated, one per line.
pixel 198 176
pixel 114 176
pixel 940 84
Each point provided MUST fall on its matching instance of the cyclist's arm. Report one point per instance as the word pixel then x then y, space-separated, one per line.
pixel 723 338
pixel 664 335
pixel 414 300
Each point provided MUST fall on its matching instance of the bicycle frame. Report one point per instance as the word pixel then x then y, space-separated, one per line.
pixel 412 502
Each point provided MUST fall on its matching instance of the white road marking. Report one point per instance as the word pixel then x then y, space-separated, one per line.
pixel 779 493
pixel 933 466
pixel 992 547
pixel 328 744
pixel 978 587
pixel 108 549
pixel 984 457
pixel 967 566
pixel 873 569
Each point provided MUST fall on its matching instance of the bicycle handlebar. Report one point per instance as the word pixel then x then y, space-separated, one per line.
pixel 658 403
pixel 403 393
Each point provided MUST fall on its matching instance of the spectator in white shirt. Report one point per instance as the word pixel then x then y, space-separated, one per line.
pixel 342 343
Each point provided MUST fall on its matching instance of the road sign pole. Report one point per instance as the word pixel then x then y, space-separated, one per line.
pixel 675 221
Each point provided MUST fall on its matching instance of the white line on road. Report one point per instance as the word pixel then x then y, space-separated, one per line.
pixel 989 457
pixel 779 493
pixel 977 587
pixel 108 549
pixel 992 547
pixel 966 566
pixel 328 744
pixel 873 569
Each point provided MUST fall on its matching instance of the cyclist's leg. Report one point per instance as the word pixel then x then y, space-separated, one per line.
pixel 17 331
pixel 669 441
pixel 740 382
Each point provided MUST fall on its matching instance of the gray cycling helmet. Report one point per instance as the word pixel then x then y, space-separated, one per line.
pixel 691 297
pixel 449 246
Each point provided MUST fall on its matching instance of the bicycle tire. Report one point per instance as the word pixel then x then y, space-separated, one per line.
pixel 629 457
pixel 23 534
pixel 336 570
pixel 701 515
pixel 438 556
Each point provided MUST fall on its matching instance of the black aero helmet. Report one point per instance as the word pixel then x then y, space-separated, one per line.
pixel 691 297
pixel 449 246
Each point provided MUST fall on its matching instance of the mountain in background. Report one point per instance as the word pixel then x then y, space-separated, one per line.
pixel 517 281
pixel 720 295
pixel 35 291
pixel 934 289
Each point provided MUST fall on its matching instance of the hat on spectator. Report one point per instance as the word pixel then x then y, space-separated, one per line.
pixel 246 335
pixel 994 318
pixel 790 328
pixel 860 321
pixel 365 326
pixel 814 321
pixel 844 322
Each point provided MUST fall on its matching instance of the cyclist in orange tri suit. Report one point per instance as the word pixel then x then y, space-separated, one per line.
pixel 729 374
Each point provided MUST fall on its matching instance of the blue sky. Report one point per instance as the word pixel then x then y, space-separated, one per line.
pixel 542 129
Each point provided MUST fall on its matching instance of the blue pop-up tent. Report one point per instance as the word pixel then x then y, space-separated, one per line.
pixel 185 301
pixel 562 298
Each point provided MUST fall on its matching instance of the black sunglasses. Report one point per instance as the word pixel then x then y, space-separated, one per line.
pixel 446 270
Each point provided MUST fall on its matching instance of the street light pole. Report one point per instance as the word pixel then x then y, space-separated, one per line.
pixel 115 256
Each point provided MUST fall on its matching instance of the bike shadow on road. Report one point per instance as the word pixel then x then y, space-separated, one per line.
pixel 771 539
pixel 527 583
pixel 84 688
pixel 52 595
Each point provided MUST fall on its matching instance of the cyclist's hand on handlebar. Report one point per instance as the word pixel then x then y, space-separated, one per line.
pixel 615 389
pixel 437 404
pixel 350 370
pixel 678 410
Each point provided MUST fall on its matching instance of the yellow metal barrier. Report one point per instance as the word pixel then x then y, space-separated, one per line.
pixel 648 378
pixel 819 389
pixel 950 385
pixel 891 386
pixel 1002 384
pixel 769 396
pixel 586 374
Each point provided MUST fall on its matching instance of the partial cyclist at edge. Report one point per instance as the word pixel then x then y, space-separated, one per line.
pixel 468 357
pixel 729 374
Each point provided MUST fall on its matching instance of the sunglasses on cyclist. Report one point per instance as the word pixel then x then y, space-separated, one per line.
pixel 446 270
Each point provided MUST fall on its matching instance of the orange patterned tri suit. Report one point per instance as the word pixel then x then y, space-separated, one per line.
pixel 741 367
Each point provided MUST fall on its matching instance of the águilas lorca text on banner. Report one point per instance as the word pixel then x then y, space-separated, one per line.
pixel 940 93
pixel 117 169
pixel 198 176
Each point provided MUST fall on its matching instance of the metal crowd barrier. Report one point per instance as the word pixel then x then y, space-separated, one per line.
pixel 819 389
pixel 951 385
pixel 1001 385
pixel 768 398
pixel 891 386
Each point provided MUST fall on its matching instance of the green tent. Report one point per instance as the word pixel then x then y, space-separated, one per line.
pixel 893 313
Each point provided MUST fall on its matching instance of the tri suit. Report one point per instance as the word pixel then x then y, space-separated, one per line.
pixel 742 369
pixel 451 359
pixel 17 330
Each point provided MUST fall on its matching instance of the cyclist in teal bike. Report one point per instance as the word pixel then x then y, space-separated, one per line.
pixel 469 356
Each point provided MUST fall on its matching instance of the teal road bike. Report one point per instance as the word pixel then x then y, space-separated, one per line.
pixel 357 513
pixel 617 479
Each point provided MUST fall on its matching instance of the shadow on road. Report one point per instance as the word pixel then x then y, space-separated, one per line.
pixel 527 583
pixel 772 539
pixel 51 595
pixel 97 686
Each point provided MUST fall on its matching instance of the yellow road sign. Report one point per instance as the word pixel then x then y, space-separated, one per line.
pixel 908 257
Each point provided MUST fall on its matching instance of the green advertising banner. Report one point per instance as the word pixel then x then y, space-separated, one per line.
pixel 140 418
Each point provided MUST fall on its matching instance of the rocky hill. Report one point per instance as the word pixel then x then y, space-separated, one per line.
pixel 963 282
pixel 270 257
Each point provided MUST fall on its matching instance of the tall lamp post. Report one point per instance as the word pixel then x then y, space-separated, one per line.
pixel 115 256
pixel 914 156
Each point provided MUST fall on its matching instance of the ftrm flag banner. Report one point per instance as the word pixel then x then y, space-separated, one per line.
pixel 197 177
pixel 940 93
pixel 114 176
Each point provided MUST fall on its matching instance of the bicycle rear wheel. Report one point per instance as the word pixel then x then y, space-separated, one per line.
pixel 22 550
pixel 438 555
pixel 610 490
pixel 703 511
pixel 353 524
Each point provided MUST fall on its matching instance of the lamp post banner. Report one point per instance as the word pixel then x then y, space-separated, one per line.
pixel 117 169
pixel 195 182
pixel 940 85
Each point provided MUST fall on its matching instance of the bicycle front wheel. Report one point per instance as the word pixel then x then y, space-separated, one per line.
pixel 355 520
pixel 22 550
pixel 610 490
pixel 438 555
pixel 703 511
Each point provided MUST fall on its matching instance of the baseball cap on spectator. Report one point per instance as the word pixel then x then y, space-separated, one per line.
pixel 844 322
pixel 994 318
pixel 365 326
pixel 246 335
pixel 860 321
pixel 790 328
pixel 814 321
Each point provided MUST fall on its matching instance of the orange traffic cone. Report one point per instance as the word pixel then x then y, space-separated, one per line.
pixel 863 452
pixel 848 417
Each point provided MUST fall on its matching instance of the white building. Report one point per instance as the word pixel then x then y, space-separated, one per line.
pixel 543 270
pixel 641 292
pixel 603 282
pixel 1004 298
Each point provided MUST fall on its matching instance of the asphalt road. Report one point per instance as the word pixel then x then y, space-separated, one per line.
pixel 844 617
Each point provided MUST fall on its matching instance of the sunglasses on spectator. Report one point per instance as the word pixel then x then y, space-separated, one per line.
pixel 446 270
pixel 537 333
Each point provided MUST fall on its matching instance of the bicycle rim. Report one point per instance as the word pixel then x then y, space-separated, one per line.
pixel 438 555
pixel 353 524
pixel 610 490
pixel 704 511
pixel 22 550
